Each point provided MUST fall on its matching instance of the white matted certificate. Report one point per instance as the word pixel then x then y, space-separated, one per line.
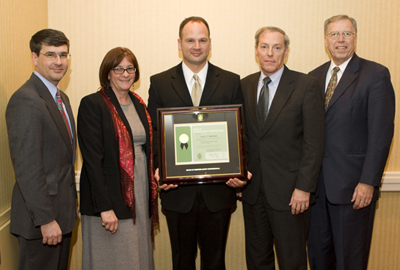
pixel 201 143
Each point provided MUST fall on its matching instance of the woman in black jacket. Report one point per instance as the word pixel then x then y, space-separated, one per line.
pixel 118 193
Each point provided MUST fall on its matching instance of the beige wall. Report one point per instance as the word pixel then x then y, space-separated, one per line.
pixel 385 247
pixel 150 29
pixel 8 248
pixel 16 27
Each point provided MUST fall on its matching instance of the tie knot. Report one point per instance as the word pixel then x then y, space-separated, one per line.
pixel 336 70
pixel 196 78
pixel 267 80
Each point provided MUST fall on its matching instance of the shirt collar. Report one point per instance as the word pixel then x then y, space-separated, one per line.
pixel 51 87
pixel 275 78
pixel 188 74
pixel 342 66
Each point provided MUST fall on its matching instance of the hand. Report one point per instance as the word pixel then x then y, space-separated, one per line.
pixel 109 221
pixel 239 189
pixel 51 233
pixel 237 183
pixel 300 201
pixel 362 196
pixel 164 186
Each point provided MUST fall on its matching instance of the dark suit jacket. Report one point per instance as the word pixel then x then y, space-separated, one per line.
pixel 43 161
pixel 100 184
pixel 169 89
pixel 287 153
pixel 359 128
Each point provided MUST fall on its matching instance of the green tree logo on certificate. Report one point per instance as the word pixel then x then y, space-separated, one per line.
pixel 201 143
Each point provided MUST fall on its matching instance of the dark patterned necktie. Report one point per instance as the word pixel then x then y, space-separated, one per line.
pixel 331 87
pixel 263 102
pixel 61 109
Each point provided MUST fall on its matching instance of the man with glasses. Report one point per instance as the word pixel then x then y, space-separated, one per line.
pixel 359 115
pixel 42 140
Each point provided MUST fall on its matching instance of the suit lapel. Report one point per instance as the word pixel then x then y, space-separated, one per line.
pixel 321 77
pixel 54 112
pixel 211 85
pixel 178 83
pixel 285 89
pixel 348 77
pixel 71 119
pixel 251 93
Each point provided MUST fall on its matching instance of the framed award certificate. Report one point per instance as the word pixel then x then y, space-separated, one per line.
pixel 200 144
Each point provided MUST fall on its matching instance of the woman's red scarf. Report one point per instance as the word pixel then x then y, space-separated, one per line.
pixel 127 162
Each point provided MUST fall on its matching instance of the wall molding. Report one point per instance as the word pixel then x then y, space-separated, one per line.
pixel 390 181
pixel 5 217
pixel 77 177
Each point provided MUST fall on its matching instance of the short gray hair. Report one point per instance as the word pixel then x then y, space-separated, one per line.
pixel 339 18
pixel 271 29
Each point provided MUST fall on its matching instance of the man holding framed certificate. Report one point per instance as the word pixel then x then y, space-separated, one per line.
pixel 199 213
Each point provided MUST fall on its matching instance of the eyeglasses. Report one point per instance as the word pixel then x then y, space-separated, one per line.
pixel 346 35
pixel 120 70
pixel 53 55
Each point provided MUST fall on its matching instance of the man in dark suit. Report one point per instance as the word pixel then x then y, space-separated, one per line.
pixel 285 135
pixel 360 108
pixel 41 131
pixel 195 213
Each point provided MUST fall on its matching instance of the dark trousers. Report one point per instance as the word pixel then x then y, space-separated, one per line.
pixel 264 226
pixel 340 237
pixel 33 255
pixel 200 226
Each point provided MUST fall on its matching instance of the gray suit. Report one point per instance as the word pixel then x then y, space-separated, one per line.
pixel 43 161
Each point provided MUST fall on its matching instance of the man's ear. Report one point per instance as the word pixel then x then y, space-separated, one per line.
pixel 179 44
pixel 34 58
